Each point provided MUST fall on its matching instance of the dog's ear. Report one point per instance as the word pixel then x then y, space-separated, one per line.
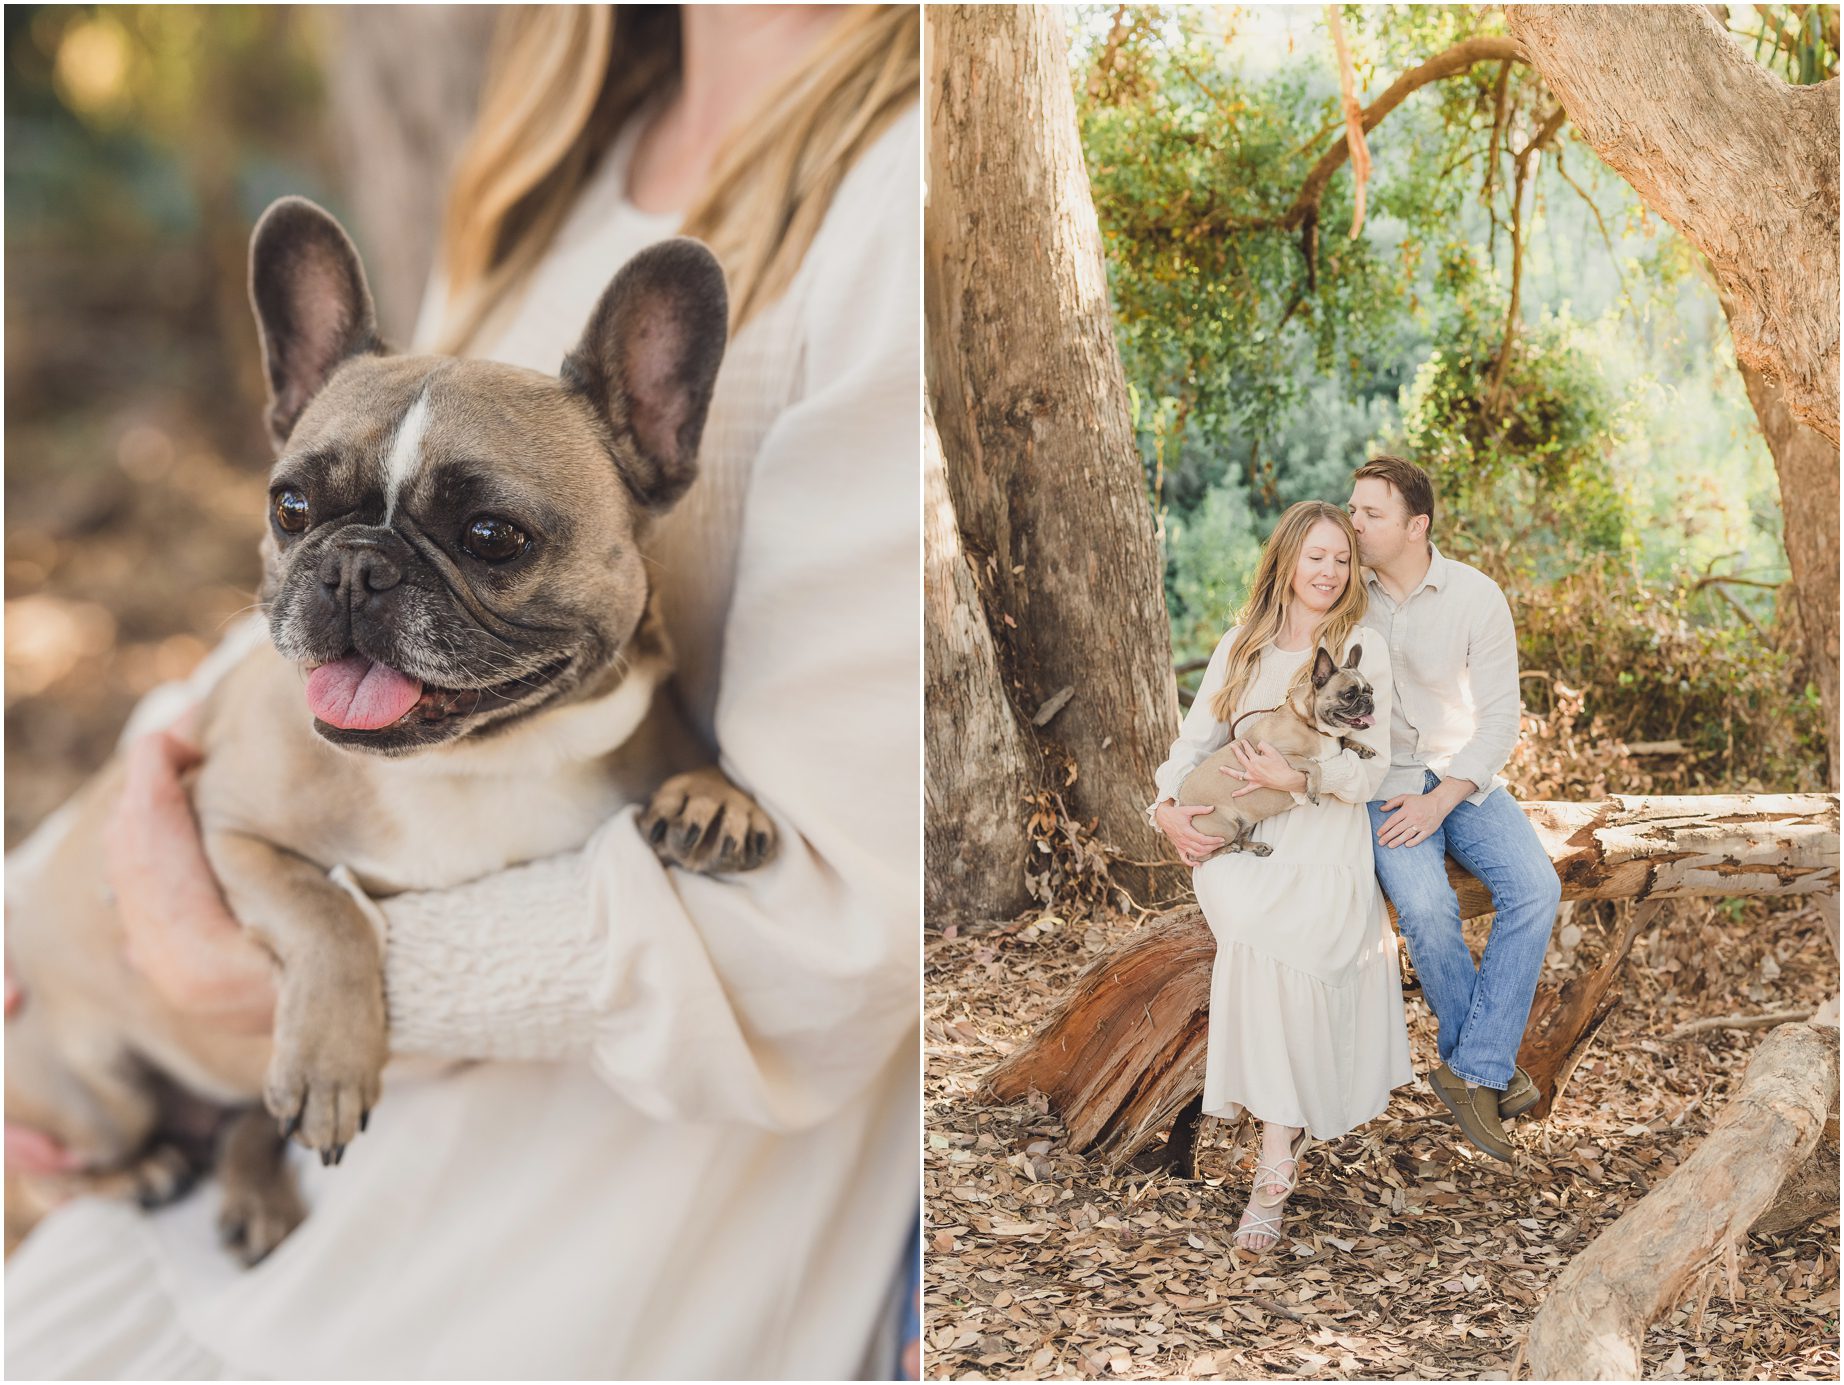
pixel 1357 652
pixel 313 308
pixel 1323 668
pixel 648 360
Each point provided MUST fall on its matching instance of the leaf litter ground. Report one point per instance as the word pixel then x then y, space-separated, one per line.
pixel 1405 1256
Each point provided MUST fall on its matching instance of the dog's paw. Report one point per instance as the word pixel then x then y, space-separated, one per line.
pixel 1358 748
pixel 257 1215
pixel 703 822
pixel 1261 848
pixel 323 1076
pixel 161 1176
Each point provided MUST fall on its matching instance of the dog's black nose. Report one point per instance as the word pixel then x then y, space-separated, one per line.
pixel 362 564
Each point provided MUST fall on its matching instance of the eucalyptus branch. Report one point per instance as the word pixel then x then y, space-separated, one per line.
pixel 1449 63
pixel 1500 94
pixel 1545 133
pixel 1599 220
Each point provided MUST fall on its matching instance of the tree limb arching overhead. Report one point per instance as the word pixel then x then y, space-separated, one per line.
pixel 1742 164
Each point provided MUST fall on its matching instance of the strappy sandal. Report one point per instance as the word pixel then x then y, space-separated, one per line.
pixel 1259 1220
pixel 1286 1185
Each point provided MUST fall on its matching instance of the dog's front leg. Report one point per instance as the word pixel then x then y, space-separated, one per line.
pixel 1310 768
pixel 261 1205
pixel 329 1041
pixel 1357 747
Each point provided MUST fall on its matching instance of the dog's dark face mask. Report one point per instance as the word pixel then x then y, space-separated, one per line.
pixel 452 544
pixel 1342 697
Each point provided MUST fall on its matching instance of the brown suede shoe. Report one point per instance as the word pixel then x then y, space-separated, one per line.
pixel 1519 1097
pixel 1516 1099
pixel 1476 1110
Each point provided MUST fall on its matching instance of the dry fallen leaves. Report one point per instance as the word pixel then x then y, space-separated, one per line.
pixel 1405 1258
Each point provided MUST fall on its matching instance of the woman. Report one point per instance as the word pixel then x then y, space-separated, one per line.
pixel 1307 1032
pixel 693 1151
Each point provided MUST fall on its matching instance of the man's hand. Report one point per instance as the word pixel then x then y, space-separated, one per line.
pixel 1411 818
pixel 1175 822
pixel 180 936
pixel 1263 767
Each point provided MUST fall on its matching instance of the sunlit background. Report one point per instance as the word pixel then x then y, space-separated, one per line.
pixel 1612 476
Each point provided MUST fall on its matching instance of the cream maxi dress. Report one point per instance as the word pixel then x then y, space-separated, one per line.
pixel 692 1152
pixel 1306 1020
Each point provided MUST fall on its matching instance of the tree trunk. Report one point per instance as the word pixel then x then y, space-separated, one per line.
pixel 978 762
pixel 1745 166
pixel 1125 1052
pixel 1590 1325
pixel 1046 480
pixel 1808 469
pixel 405 81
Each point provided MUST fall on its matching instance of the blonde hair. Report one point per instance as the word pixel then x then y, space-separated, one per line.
pixel 1264 615
pixel 566 79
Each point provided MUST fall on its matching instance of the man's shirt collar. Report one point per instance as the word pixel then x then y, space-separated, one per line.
pixel 1435 576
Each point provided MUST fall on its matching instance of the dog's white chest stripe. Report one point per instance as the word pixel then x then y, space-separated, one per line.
pixel 406 453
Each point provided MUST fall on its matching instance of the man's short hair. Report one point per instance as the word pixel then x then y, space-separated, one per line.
pixel 1408 480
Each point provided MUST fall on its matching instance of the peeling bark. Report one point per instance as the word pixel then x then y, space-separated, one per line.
pixel 1742 164
pixel 1591 1323
pixel 978 761
pixel 1046 478
pixel 1124 1053
pixel 1807 467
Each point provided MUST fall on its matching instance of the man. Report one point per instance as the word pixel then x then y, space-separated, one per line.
pixel 1454 654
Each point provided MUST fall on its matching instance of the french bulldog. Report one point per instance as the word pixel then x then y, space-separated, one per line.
pixel 1335 701
pixel 464 671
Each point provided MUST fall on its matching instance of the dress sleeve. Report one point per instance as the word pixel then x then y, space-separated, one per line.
pixel 1199 736
pixel 775 996
pixel 1345 774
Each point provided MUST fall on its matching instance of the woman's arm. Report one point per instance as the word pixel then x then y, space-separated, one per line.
pixel 1199 736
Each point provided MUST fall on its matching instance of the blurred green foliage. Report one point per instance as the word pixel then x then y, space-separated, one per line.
pixel 1614 445
pixel 141 144
pixel 119 119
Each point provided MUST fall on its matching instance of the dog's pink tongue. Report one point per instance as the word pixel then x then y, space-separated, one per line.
pixel 356 694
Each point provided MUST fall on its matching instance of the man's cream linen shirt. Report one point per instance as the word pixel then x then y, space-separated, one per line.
pixel 1453 649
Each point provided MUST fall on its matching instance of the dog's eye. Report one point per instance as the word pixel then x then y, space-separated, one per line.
pixel 289 509
pixel 493 540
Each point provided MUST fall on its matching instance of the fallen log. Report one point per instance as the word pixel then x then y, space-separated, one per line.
pixel 1123 1055
pixel 1591 1323
pixel 1681 847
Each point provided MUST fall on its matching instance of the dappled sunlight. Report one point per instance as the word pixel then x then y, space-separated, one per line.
pixel 46 637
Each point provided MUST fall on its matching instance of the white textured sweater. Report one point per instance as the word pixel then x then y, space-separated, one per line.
pixel 712 1170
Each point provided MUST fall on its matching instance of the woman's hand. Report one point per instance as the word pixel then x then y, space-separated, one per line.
pixel 180 936
pixel 1175 821
pixel 1263 767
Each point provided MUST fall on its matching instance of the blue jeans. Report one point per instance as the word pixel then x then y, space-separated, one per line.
pixel 1482 1010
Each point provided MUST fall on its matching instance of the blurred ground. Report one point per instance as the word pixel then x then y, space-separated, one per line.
pixel 125 558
